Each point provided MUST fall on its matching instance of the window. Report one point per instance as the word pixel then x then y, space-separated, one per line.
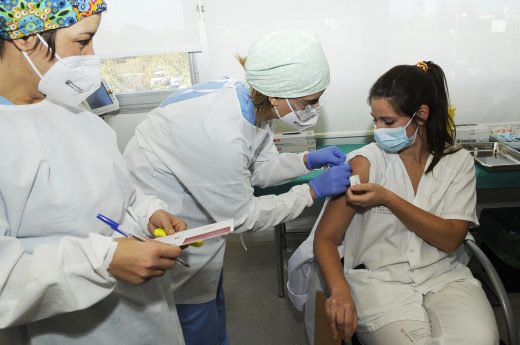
pixel 147 48
pixel 160 72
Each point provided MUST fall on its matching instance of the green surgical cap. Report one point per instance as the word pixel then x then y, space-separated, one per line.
pixel 287 64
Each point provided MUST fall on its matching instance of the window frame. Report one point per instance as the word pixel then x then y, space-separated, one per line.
pixel 138 102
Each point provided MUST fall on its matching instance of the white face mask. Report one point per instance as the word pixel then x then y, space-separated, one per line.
pixel 295 121
pixel 71 79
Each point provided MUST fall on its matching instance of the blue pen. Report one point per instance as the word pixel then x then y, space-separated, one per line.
pixel 115 226
pixel 111 223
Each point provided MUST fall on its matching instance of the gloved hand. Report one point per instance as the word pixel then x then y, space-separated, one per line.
pixel 327 156
pixel 332 182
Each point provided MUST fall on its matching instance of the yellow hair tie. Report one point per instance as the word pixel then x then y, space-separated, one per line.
pixel 422 65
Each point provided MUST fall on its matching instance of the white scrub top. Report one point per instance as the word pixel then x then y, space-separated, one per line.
pixel 59 168
pixel 201 154
pixel 401 266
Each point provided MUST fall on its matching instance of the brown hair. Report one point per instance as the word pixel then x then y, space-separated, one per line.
pixel 48 36
pixel 263 108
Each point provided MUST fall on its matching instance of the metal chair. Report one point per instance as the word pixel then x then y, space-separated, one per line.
pixel 480 265
pixel 280 243
pixel 498 290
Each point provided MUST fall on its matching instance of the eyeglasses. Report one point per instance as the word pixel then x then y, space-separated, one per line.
pixel 305 110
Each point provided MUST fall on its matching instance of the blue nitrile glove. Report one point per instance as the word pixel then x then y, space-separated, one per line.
pixel 331 156
pixel 332 182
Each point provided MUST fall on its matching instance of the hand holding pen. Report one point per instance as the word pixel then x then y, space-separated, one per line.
pixel 136 259
pixel 137 262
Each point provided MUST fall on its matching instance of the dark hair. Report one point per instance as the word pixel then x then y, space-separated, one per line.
pixel 48 36
pixel 406 88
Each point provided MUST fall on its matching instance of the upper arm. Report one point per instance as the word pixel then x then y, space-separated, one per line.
pixel 335 220
pixel 360 166
pixel 460 198
pixel 339 214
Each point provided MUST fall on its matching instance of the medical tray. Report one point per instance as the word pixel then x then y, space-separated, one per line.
pixel 494 156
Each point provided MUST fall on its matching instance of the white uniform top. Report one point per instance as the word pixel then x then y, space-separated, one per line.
pixel 203 158
pixel 60 166
pixel 401 266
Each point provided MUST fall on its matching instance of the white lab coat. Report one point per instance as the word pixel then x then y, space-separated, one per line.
pixel 59 167
pixel 203 158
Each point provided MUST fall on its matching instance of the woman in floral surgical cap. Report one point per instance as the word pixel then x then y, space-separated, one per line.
pixel 64 277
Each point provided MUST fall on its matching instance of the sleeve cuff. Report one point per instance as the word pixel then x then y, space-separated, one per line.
pixel 307 188
pixel 304 166
pixel 108 257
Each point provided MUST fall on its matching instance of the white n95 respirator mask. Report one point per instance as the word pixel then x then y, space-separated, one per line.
pixel 71 79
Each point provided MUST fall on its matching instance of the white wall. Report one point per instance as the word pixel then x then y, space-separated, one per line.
pixel 124 125
pixel 476 42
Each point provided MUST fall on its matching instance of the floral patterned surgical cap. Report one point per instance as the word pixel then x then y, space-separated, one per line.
pixel 22 18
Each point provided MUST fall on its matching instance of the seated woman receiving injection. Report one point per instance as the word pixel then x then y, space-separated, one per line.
pixel 403 278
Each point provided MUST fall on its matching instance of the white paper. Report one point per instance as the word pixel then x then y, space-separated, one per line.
pixel 202 233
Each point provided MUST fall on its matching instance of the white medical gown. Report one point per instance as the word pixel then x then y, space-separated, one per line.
pixel 59 168
pixel 203 158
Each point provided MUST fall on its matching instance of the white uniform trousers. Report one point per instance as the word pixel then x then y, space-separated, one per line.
pixel 459 314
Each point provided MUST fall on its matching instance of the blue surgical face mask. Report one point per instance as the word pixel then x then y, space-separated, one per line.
pixel 393 140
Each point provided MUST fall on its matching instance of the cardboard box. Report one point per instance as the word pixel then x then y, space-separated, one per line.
pixel 298 138
pixel 295 142
pixel 322 332
pixel 295 148
pixel 309 142
pixel 471 133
